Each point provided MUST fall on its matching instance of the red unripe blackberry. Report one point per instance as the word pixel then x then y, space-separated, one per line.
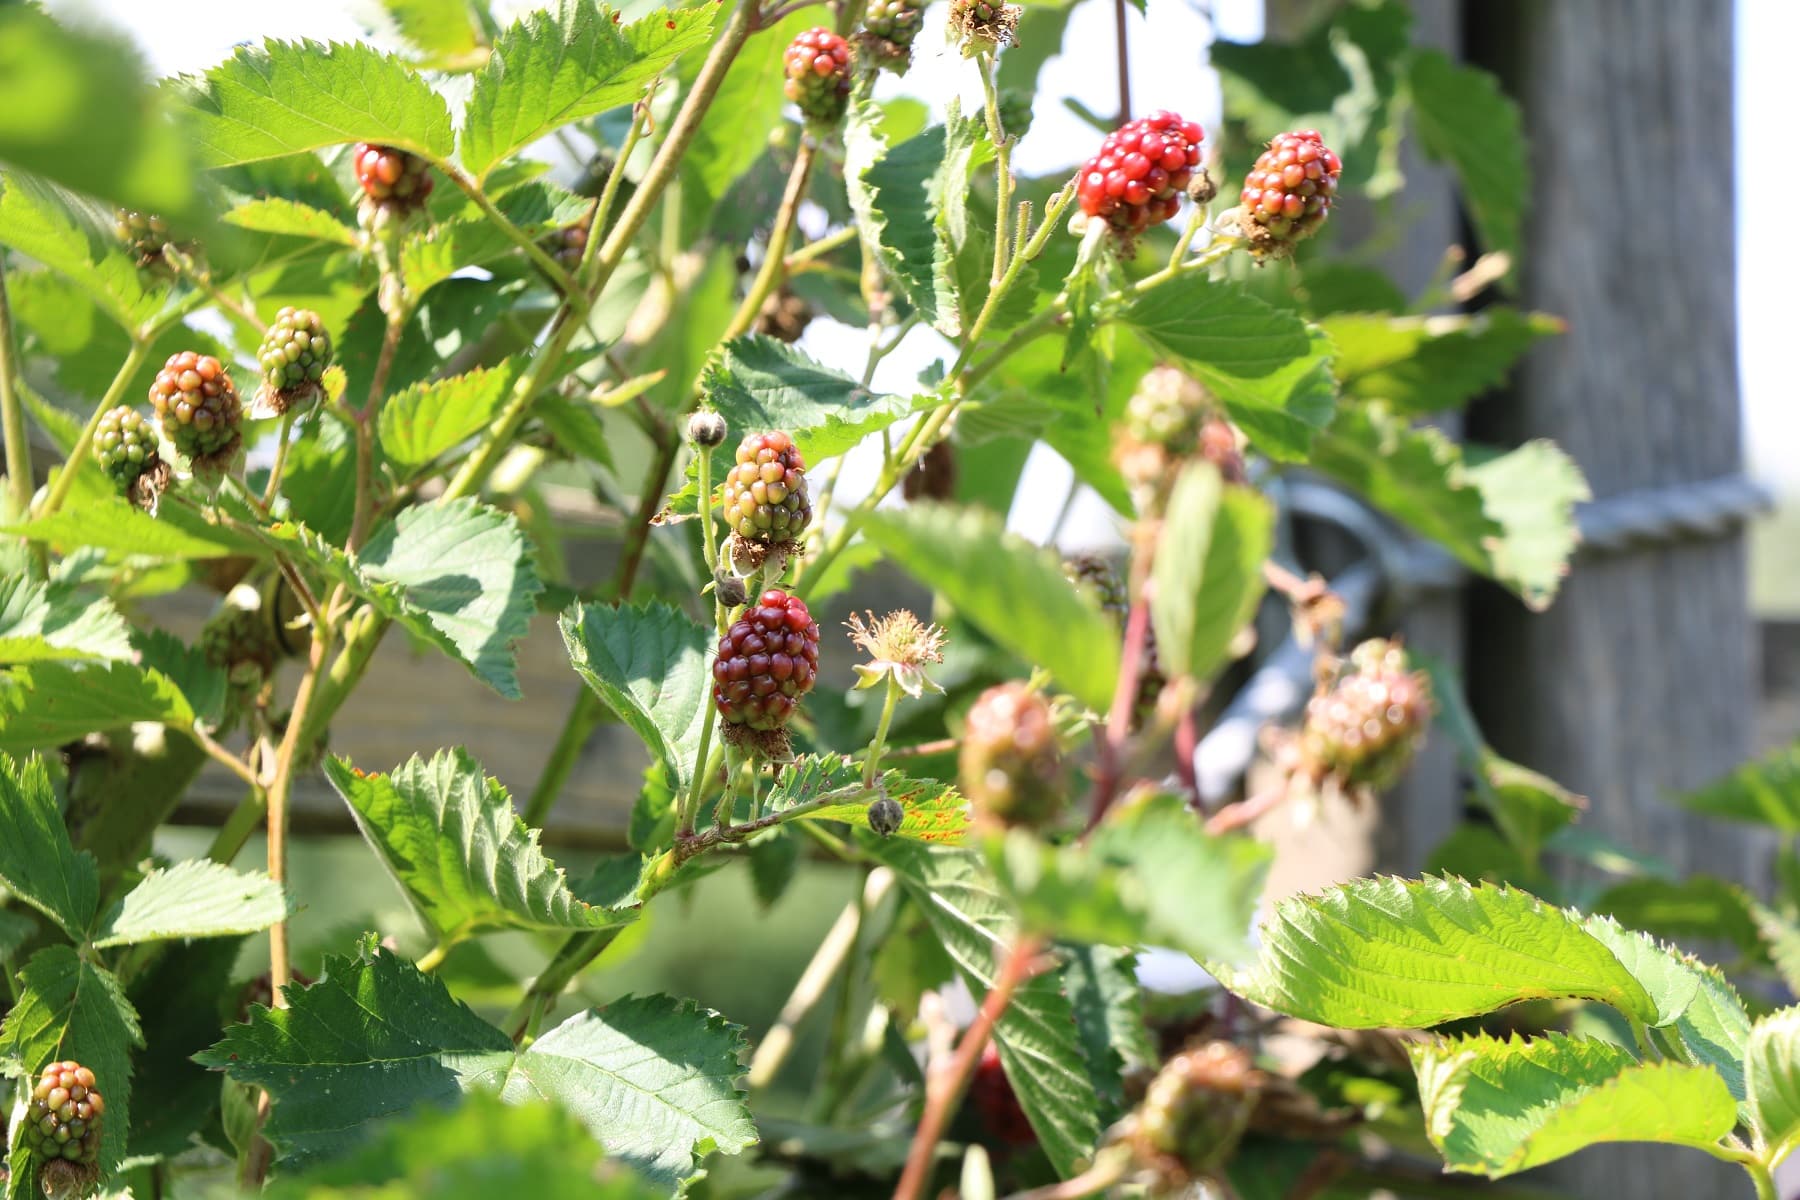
pixel 1288 193
pixel 391 177
pixel 1194 1113
pixel 64 1117
pixel 817 65
pixel 1364 729
pixel 125 445
pixel 767 661
pixel 997 1105
pixel 1143 168
pixel 1010 765
pixel 766 497
pixel 196 405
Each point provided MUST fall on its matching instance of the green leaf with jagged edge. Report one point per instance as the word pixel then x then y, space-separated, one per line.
pixel 1148 875
pixel 1413 953
pixel 110 524
pixel 1763 792
pixel 1102 985
pixel 554 67
pixel 450 838
pixel 44 705
pixel 283 98
pixel 1782 937
pixel 15 929
pixel 58 620
pixel 650 665
pixel 478 1150
pixel 757 383
pixel 476 241
pixel 1271 374
pixel 1040 1045
pixel 654 1076
pixel 1511 517
pixel 290 218
pixel 197 899
pixel 1014 592
pixel 1772 1074
pixel 458 575
pixel 1703 907
pixel 935 811
pixel 1497 1107
pixel 38 864
pixel 70 1008
pixel 1208 571
pixel 429 419
pixel 1420 365
pixel 911 203
pixel 81 110
pixel 443 32
pixel 69 235
pixel 203 682
pixel 1465 120
pixel 179 996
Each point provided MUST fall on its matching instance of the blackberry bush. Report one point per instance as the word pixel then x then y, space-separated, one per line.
pixel 817 65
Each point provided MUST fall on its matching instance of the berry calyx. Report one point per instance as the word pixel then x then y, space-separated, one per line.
pixel 294 354
pixel 706 428
pixel 125 446
pixel 1010 765
pixel 1194 1114
pixel 817 65
pixel 767 661
pixel 982 26
pixel 197 408
pixel 395 184
pixel 766 499
pixel 1138 177
pixel 889 29
pixel 1363 729
pixel 63 1119
pixel 1288 193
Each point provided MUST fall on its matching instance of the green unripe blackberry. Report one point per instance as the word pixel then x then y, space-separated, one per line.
pixel 1167 409
pixel 1015 112
pixel 1364 729
pixel 145 235
pixel 63 1119
pixel 889 29
pixel 294 354
pixel 766 498
pixel 1193 1115
pixel 817 65
pixel 1010 765
pixel 197 407
pixel 240 638
pixel 125 445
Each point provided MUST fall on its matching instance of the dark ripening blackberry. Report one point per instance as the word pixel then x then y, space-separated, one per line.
pixel 64 1117
pixel 294 354
pixel 1010 765
pixel 766 500
pixel 1365 728
pixel 997 1106
pixel 198 409
pixel 767 661
pixel 817 65
pixel 1288 193
pixel 1143 168
pixel 568 244
pixel 1194 1114
pixel 933 477
pixel 889 30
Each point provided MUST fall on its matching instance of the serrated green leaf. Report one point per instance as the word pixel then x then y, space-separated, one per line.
pixel 935 811
pixel 1102 986
pixel 282 98
pixel 988 575
pixel 1783 939
pixel 197 899
pixel 69 1008
pixel 1532 492
pixel 15 929
pixel 1465 120
pixel 450 838
pixel 551 68
pixel 1421 365
pixel 472 240
pixel 1410 954
pixel 48 704
pixel 37 862
pixel 443 31
pixel 1208 572
pixel 375 1037
pixel 457 574
pixel 1700 906
pixel 40 221
pixel 650 666
pixel 1772 1073
pixel 122 530
pixel 1763 792
pixel 1495 1107
pixel 428 419
pixel 1040 1047
pixel 277 214
pixel 758 383
pixel 178 997
pixel 57 620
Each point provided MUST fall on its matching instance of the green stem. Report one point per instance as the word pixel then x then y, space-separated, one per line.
pixel 819 249
pixel 12 411
pixel 1762 1179
pixel 65 478
pixel 872 765
pixel 281 454
pixel 774 263
pixel 552 270
pixel 690 804
pixel 238 827
pixel 1002 169
pixel 584 715
pixel 1646 1048
pixel 709 548
pixel 434 958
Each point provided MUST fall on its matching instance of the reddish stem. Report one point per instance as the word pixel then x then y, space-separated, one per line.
pixel 947 1086
pixel 1118 720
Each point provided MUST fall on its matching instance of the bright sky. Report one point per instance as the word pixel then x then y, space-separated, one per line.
pixel 189 35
